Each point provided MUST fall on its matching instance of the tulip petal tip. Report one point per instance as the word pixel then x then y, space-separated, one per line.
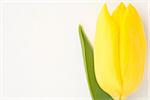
pixel 130 6
pixel 121 4
pixel 104 8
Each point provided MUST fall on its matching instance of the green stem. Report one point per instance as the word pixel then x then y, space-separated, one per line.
pixel 119 97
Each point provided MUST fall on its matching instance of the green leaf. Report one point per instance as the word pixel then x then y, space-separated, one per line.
pixel 96 92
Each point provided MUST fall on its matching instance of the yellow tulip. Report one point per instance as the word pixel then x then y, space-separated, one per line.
pixel 119 50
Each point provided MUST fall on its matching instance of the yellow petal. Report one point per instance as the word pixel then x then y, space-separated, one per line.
pixel 132 50
pixel 118 13
pixel 106 54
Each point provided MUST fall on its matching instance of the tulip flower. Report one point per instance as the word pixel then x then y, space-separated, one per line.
pixel 119 50
pixel 115 64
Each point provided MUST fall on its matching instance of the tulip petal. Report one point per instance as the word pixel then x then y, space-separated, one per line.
pixel 118 13
pixel 106 55
pixel 132 50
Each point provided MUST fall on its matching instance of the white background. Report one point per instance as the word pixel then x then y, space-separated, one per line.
pixel 40 50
